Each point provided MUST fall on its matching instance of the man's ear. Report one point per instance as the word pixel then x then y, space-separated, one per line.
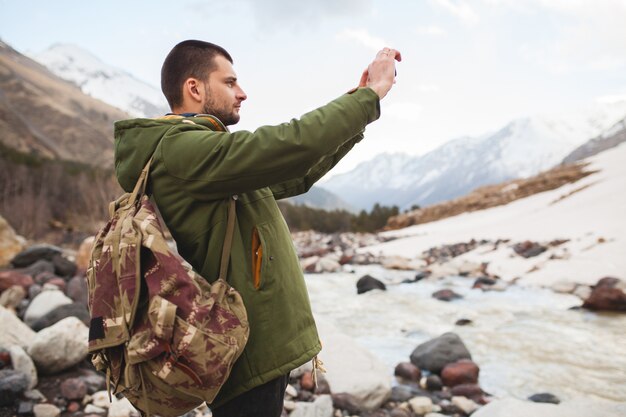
pixel 193 89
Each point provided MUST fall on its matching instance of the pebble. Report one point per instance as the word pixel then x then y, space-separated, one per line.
pixel 90 408
pixel 421 405
pixel 408 371
pixel 465 404
pixel 46 410
pixel 73 389
pixel 544 397
pixel 12 385
pixel 101 399
pixel 23 363
pixel 289 405
pixel 122 408
pixel 291 391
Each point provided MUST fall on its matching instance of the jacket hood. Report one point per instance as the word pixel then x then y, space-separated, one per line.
pixel 136 140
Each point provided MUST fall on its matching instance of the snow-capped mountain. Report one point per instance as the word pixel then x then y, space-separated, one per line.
pixel 522 148
pixel 104 82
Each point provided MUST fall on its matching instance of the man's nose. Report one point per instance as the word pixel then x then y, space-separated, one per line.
pixel 241 95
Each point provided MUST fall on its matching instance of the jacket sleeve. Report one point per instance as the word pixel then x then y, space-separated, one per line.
pixel 211 165
pixel 303 184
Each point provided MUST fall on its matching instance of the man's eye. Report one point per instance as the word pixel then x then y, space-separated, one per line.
pixel 230 83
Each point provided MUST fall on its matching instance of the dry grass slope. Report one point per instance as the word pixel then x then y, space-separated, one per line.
pixel 492 195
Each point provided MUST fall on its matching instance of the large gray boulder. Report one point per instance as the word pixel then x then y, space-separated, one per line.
pixel 435 354
pixel 60 346
pixel 43 304
pixel 13 331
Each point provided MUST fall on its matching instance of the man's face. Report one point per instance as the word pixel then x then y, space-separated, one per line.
pixel 223 96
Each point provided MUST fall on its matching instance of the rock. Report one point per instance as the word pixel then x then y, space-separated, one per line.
pixel 401 263
pixel 327 264
pixel 40 270
pixel 352 369
pixel 10 243
pixel 122 408
pixel 472 391
pixel 73 407
pixel 368 283
pixel 34 290
pixel 84 254
pixel 67 310
pixel 63 267
pixel 607 296
pixel 346 402
pixel 34 395
pixel 376 413
pixel 35 253
pixel 446 295
pixel 435 415
pixel 290 391
pixel 408 371
pixel 43 304
pixel 60 346
pixel 421 405
pixel 90 408
pixel 12 384
pixel 442 270
pixel 403 393
pixel 399 412
pixel 465 404
pixel 13 331
pixel 24 364
pixel 46 410
pixel 25 408
pixel 435 354
pixel 77 289
pixel 583 292
pixel 463 322
pixel 321 407
pixel 544 397
pixel 59 283
pixel 323 387
pixel 73 389
pixel 101 400
pixel 309 264
pixel 307 382
pixel 461 372
pixel 11 278
pixel 12 297
pixel 289 405
pixel 529 249
pixel 95 381
pixel 434 383
pixel 484 282
pixel 564 287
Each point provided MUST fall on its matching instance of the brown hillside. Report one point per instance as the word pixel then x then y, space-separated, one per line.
pixel 492 195
pixel 45 116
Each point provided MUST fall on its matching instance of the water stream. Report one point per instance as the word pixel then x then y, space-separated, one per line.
pixel 525 340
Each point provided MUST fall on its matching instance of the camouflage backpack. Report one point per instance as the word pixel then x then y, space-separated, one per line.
pixel 166 338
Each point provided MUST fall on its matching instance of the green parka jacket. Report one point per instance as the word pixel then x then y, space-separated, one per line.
pixel 198 164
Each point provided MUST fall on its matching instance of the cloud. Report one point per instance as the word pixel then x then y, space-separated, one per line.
pixel 431 30
pixel 405 111
pixel 460 9
pixel 363 37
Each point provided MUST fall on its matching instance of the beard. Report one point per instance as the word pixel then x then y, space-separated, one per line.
pixel 224 112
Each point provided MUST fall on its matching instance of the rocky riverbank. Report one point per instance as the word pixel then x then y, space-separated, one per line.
pixel 45 371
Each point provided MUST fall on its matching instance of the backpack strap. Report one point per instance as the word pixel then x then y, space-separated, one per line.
pixel 228 239
pixel 231 215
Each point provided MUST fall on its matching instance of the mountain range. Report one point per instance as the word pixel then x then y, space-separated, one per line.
pixel 102 81
pixel 521 148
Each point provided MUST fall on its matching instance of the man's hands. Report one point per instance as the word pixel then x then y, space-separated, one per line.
pixel 380 74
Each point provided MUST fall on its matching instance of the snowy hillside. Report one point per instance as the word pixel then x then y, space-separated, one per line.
pixel 99 80
pixel 522 148
pixel 589 214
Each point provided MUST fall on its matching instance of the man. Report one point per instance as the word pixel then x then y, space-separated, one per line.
pixel 199 165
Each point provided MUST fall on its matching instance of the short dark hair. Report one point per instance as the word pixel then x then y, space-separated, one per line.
pixel 189 58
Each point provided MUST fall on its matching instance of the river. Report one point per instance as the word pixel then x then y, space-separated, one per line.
pixel 525 340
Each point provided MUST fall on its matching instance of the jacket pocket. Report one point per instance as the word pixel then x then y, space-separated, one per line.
pixel 257 258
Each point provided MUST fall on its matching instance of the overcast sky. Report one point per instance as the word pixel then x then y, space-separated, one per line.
pixel 468 66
